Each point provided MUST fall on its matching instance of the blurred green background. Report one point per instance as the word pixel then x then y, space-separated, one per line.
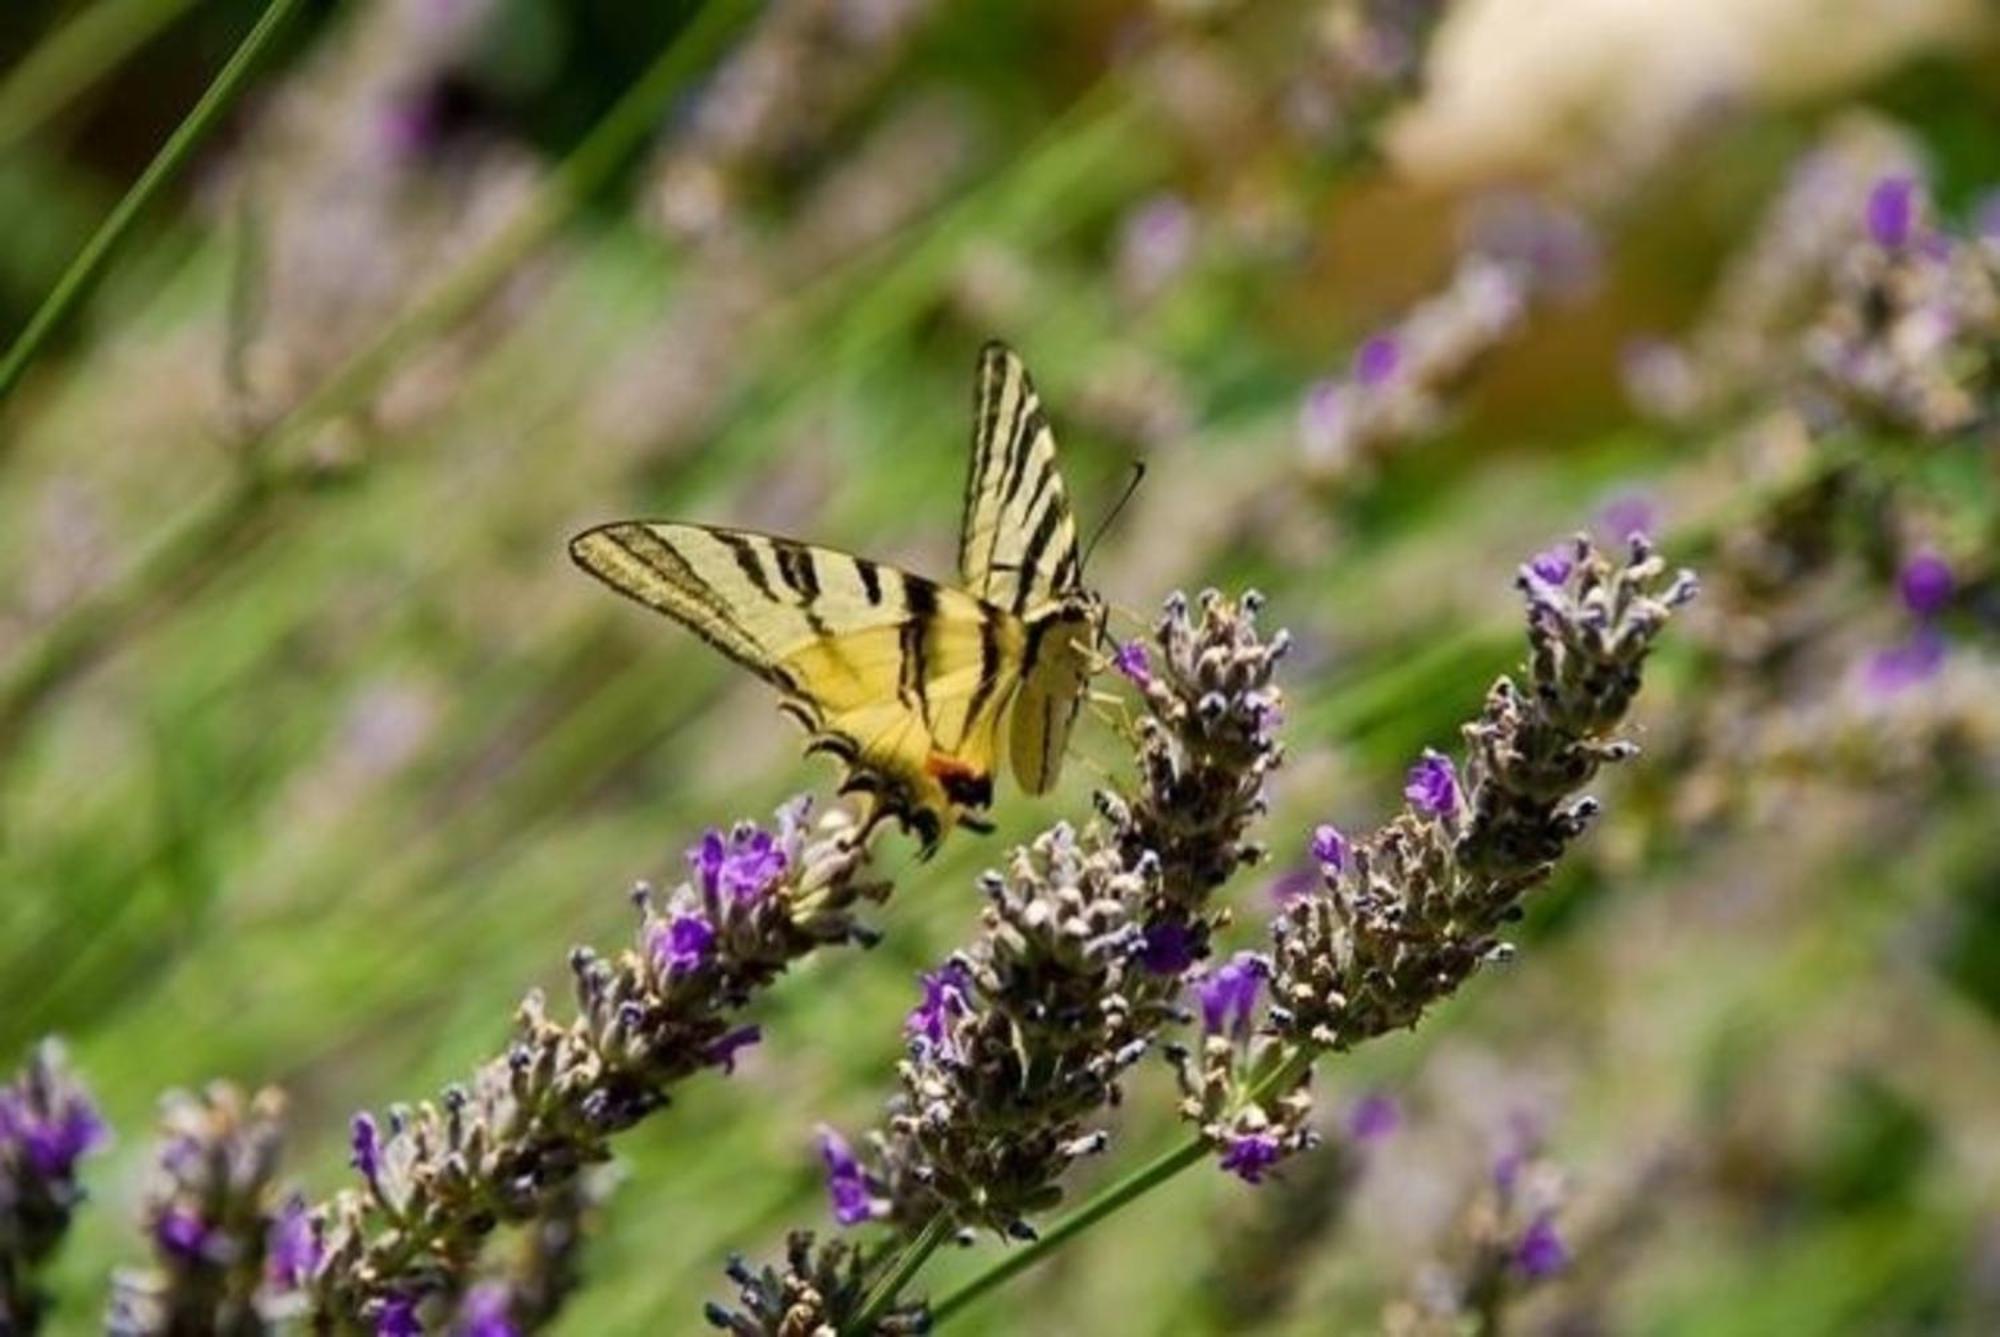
pixel 315 752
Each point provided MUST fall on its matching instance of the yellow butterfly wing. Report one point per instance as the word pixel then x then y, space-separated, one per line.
pixel 905 681
pixel 1018 550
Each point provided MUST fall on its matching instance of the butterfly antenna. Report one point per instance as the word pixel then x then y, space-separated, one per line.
pixel 1131 486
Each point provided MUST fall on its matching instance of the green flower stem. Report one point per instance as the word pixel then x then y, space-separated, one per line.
pixel 171 567
pixel 1121 1194
pixel 89 263
pixel 912 1257
pixel 74 57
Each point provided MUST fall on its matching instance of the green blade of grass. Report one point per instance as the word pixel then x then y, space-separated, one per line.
pixel 180 147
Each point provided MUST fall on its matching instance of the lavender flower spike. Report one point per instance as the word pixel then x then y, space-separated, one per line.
pixel 212 1211
pixel 48 1124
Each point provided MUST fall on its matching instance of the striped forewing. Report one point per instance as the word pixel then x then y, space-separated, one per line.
pixel 1017 547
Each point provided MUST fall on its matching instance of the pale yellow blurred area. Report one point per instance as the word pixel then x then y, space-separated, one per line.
pixel 1524 85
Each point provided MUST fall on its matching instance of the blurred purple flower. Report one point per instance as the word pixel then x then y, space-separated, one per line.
pixel 1926 584
pixel 946 999
pixel 682 944
pixel 1229 996
pixel 1897 668
pixel 1376 361
pixel 180 1233
pixel 398 1318
pixel 1249 1156
pixel 1132 661
pixel 293 1251
pixel 1374 1116
pixel 51 1140
pixel 723 1050
pixel 365 1143
pixel 1324 415
pixel 1552 249
pixel 846 1186
pixel 1156 243
pixel 1329 847
pixel 1541 1253
pixel 1432 785
pixel 1169 948
pixel 1296 881
pixel 1892 211
pixel 1627 514
pixel 488 1312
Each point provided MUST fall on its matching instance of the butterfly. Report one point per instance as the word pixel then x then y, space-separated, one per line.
pixel 909 683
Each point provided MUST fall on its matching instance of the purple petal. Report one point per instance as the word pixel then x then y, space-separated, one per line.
pixel 1329 847
pixel 1892 211
pixel 1541 1252
pixel 1376 361
pixel 1249 1156
pixel 1926 584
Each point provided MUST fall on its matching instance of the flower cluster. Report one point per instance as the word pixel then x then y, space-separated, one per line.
pixel 1396 388
pixel 816 1293
pixel 1407 913
pixel 1359 57
pixel 1852 297
pixel 224 1250
pixel 48 1123
pixel 1506 1240
pixel 787 85
pixel 509 1145
pixel 1086 937
pixel 1253 1136
pixel 1910 335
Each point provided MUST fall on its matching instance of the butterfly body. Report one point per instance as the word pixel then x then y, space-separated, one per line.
pixel 912 685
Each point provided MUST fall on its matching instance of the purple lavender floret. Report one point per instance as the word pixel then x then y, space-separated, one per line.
pixel 181 1234
pixel 1432 785
pixel 722 1052
pixel 487 1312
pixel 1374 1116
pixel 1169 948
pixel 947 997
pixel 1926 584
pixel 706 857
pixel 683 944
pixel 1377 360
pixel 1892 211
pixel 1329 847
pixel 753 864
pixel 398 1318
pixel 294 1251
pixel 1552 566
pixel 1249 1156
pixel 846 1185
pixel 1541 1253
pixel 1625 515
pixel 51 1136
pixel 1902 666
pixel 1228 996
pixel 365 1143
pixel 1132 661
